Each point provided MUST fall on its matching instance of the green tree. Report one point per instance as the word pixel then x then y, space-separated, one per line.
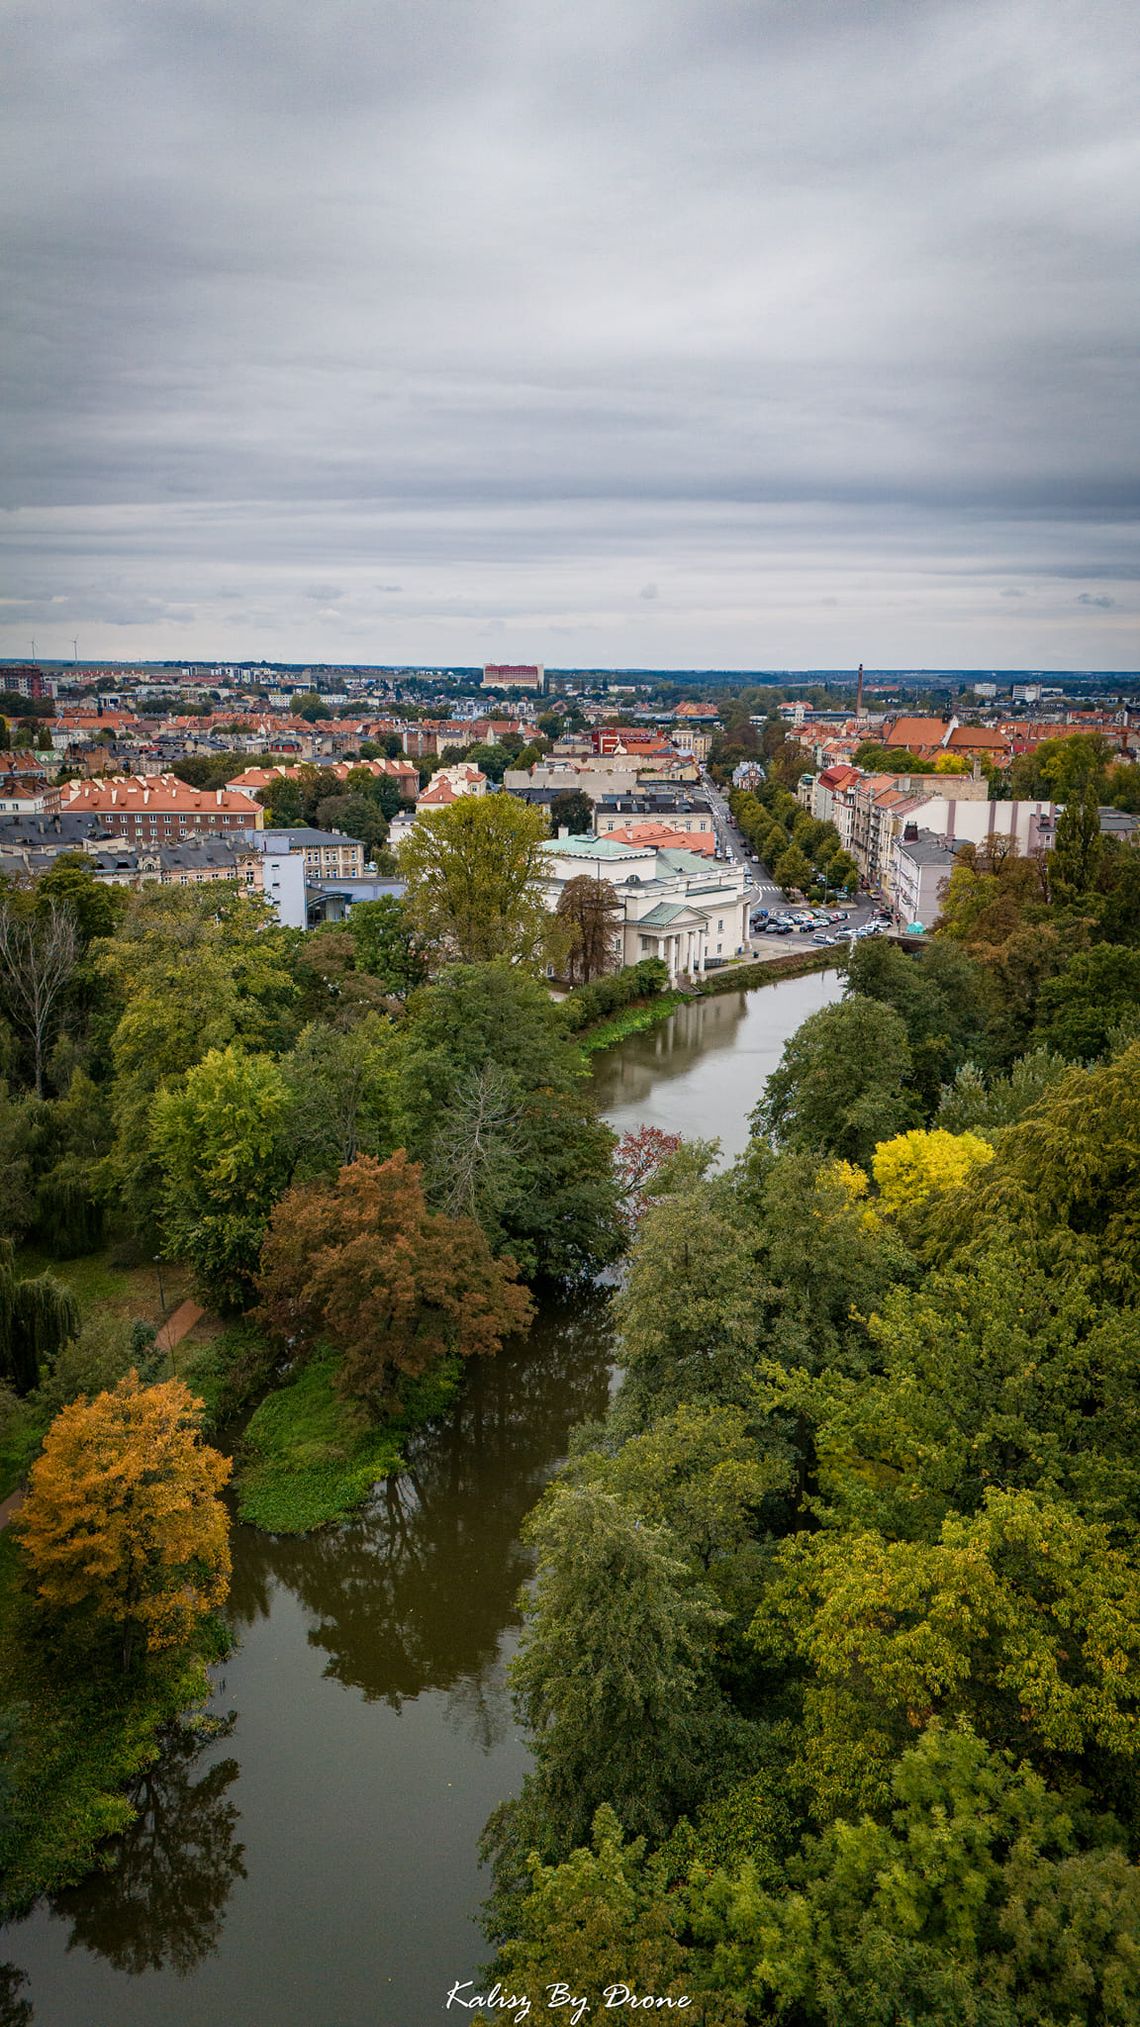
pixel 938 995
pixel 552 1197
pixel 843 1083
pixel 1078 1009
pixel 572 810
pixel 1075 859
pixel 475 877
pixel 38 1315
pixel 1022 1619
pixel 342 1097
pixel 792 870
pixel 386 945
pixel 977 1902
pixel 220 1141
pixel 613 1679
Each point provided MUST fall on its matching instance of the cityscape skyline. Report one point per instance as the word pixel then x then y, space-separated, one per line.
pixel 663 337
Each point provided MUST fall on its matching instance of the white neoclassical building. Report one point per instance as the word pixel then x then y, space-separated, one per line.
pixel 676 905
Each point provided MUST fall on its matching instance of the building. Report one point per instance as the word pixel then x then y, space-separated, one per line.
pixel 448 784
pixel 255 780
pixel 675 905
pixel 328 855
pixel 922 865
pixel 159 808
pixel 24 679
pixel 690 814
pixel 514 676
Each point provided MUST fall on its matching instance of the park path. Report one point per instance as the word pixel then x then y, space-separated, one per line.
pixel 179 1325
pixel 173 1331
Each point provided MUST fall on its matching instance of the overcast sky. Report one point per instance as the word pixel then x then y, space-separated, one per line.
pixel 741 333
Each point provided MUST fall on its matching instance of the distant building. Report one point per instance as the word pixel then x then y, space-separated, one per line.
pixel 24 679
pixel 514 676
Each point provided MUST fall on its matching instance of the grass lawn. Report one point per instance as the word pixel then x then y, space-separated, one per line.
pixel 307 1457
pixel 75 1742
pixel 97 1282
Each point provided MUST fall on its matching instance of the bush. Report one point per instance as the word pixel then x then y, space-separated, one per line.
pixel 587 1004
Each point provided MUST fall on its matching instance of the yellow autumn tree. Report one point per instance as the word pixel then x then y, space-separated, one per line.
pixel 914 1165
pixel 123 1528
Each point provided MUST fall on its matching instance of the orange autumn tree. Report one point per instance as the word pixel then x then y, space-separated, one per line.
pixel 363 1265
pixel 122 1526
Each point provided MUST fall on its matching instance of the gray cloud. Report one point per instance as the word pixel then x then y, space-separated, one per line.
pixel 505 301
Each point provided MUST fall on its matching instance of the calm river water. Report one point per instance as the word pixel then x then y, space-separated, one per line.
pixel 316 1867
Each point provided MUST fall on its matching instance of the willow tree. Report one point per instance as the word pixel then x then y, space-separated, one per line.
pixel 37 1317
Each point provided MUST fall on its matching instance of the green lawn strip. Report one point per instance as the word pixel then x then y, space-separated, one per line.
pixel 306 1457
pixel 631 1020
pixel 75 1741
pixel 20 1439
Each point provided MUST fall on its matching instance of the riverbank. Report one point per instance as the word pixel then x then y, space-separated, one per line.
pixel 308 1459
pixel 75 1741
pixel 632 1020
pixel 765 971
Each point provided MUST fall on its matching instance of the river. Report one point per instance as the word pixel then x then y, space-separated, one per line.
pixel 316 1866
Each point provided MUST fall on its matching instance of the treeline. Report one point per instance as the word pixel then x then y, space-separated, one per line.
pixel 795 846
pixel 831 1669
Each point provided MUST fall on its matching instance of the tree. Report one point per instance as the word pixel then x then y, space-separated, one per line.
pixel 982 1898
pixel 939 996
pixel 613 1677
pixel 475 877
pixel 554 1204
pixel 363 1265
pixel 689 1311
pixel 341 1096
pixel 355 816
pixel 592 912
pixel 307 704
pixel 220 1141
pixel 843 1083
pixel 638 1158
pixel 122 1527
pixel 1078 1009
pixel 38 1315
pixel 1075 859
pixel 37 959
pixel 792 870
pixel 1022 1619
pixel 386 945
pixel 572 810
pixel 913 1165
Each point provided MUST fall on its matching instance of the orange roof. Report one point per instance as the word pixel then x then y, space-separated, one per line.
pixel 157 792
pixel 440 793
pixel 915 733
pixel 981 737
pixel 664 837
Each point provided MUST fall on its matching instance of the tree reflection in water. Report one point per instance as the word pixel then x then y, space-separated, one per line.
pixel 416 1591
pixel 15 2006
pixel 162 1902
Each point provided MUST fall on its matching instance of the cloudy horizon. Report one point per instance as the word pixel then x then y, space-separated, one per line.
pixel 679 334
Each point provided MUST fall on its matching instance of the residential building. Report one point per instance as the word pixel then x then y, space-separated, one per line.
pixel 159 809
pixel 514 676
pixel 922 865
pixel 327 854
pixel 448 784
pixel 688 813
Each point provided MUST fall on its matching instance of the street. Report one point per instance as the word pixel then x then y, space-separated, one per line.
pixel 762 889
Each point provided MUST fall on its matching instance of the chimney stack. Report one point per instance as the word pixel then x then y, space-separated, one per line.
pixel 859 693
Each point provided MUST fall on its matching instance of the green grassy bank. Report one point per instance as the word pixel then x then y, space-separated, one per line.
pixel 631 1020
pixel 766 971
pixel 307 1458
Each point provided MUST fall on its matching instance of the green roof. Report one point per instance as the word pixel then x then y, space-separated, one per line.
pixel 591 848
pixel 661 917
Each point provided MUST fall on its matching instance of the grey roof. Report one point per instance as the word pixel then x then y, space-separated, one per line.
pixel 304 836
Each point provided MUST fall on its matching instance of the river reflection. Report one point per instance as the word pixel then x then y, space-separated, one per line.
pixel 700 1072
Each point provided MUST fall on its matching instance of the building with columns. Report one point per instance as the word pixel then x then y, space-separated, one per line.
pixel 676 905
